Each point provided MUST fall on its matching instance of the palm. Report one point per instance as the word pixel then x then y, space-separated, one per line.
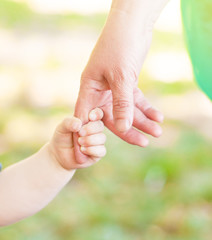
pixel 109 82
pixel 143 120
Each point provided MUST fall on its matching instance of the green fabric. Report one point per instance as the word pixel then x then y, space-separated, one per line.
pixel 197 19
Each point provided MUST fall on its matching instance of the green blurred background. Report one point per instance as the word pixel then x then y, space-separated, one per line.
pixel 161 192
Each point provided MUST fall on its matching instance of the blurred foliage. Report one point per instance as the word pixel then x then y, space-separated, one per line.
pixel 161 88
pixel 131 194
pixel 141 194
pixel 18 15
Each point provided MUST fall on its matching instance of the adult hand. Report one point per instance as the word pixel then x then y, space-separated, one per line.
pixel 110 78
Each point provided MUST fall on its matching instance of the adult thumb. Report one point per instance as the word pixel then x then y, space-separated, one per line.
pixel 123 106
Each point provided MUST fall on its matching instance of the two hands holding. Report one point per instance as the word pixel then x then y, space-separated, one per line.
pixel 90 140
pixel 108 96
pixel 110 78
pixel 29 185
pixel 109 81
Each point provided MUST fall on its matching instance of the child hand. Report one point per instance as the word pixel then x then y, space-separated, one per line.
pixel 91 140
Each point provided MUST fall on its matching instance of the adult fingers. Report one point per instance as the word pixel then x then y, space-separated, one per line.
pixel 144 124
pixel 143 104
pixel 132 136
pixel 122 93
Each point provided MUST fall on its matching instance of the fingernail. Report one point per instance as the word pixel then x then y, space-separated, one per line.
pixel 161 118
pixel 80 140
pixel 92 116
pixel 122 125
pixel 83 149
pixel 145 142
pixel 158 132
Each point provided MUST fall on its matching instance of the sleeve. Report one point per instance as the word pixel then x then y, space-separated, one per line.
pixel 197 21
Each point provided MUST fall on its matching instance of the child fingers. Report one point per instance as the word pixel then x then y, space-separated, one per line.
pixel 69 124
pixel 96 114
pixel 94 151
pixel 95 159
pixel 92 140
pixel 91 128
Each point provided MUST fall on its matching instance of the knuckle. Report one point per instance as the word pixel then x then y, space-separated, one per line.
pixel 124 73
pixel 121 104
pixel 119 74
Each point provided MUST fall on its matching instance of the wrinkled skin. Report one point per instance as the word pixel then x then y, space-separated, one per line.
pixel 110 78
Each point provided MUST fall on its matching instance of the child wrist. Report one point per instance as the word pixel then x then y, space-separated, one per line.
pixel 55 160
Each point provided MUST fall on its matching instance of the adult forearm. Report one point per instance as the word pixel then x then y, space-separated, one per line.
pixel 29 185
pixel 129 6
pixel 144 12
